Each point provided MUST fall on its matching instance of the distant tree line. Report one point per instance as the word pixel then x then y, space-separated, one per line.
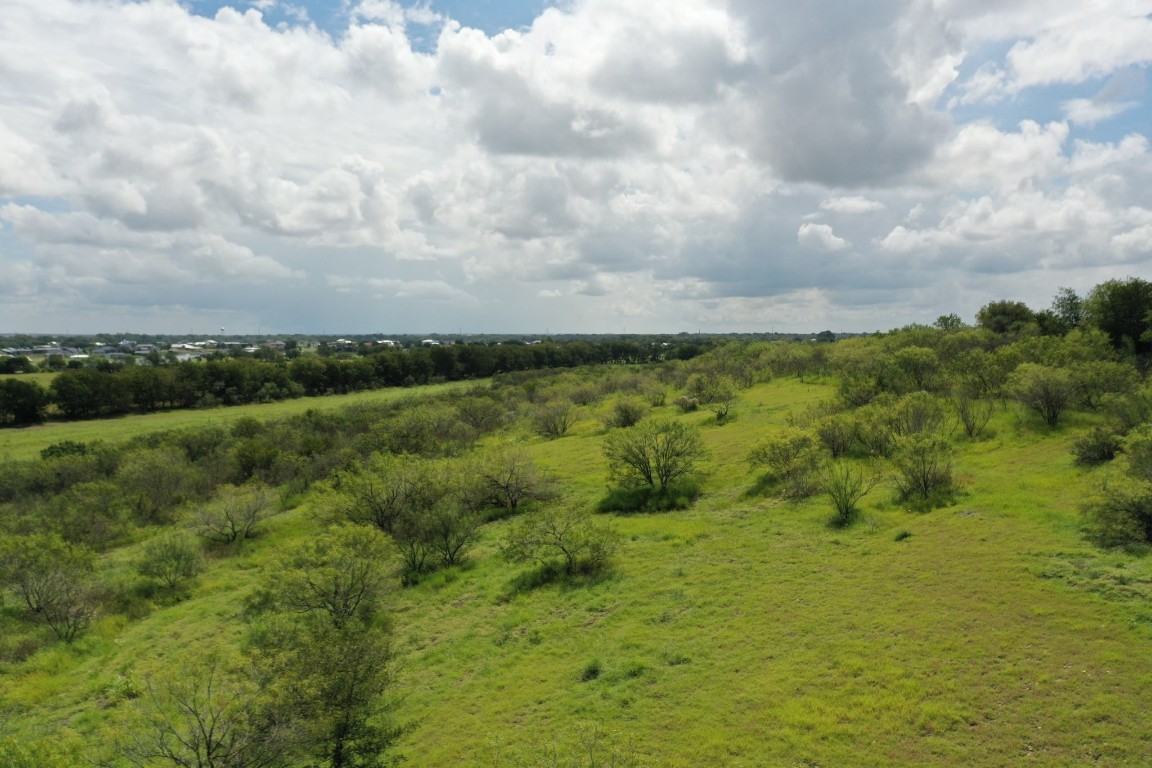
pixel 110 390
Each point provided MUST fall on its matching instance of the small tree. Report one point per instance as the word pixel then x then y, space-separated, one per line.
pixel 654 453
pixel 922 467
pixel 234 514
pixel 1048 391
pixel 625 413
pixel 203 716
pixel 53 579
pixel 566 532
pixel 1120 513
pixel 509 478
pixel 554 419
pixel 845 486
pixel 792 461
pixel 974 412
pixel 171 559
pixel 340 573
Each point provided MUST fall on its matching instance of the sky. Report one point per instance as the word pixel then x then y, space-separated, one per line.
pixel 568 166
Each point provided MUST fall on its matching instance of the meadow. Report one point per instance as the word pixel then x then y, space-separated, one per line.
pixel 744 631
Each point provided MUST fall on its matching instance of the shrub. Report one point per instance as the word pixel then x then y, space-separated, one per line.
pixel 568 533
pixel 922 469
pixel 845 486
pixel 171 559
pixel 1097 447
pixel 687 404
pixel 1120 514
pixel 791 460
pixel 654 453
pixel 625 413
pixel 554 419
pixel 645 498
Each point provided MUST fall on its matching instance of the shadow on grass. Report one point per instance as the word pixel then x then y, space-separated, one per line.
pixel 555 574
pixel 629 499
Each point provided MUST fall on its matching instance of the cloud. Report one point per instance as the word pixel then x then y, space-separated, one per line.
pixel 851 204
pixel 681 166
pixel 820 237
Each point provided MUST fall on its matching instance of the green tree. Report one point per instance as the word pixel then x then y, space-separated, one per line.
pixel 792 460
pixel 569 533
pixel 845 485
pixel 172 559
pixel 21 402
pixel 341 574
pixel 1121 308
pixel 53 579
pixel 1005 316
pixel 1048 391
pixel 654 453
pixel 922 468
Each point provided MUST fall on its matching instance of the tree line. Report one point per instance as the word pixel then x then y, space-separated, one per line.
pixel 111 390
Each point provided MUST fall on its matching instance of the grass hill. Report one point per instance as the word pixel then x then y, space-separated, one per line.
pixel 747 630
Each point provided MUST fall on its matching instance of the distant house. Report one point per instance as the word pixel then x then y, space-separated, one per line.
pixel 387 343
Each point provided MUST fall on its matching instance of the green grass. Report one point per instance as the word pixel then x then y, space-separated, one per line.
pixel 745 631
pixel 27 442
pixel 42 378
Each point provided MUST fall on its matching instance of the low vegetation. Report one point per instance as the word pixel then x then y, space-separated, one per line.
pixel 878 551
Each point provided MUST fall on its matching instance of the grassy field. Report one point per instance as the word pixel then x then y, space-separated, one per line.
pixel 27 442
pixel 746 631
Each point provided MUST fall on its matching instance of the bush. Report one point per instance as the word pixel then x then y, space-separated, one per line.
pixel 845 486
pixel 625 413
pixel 922 469
pixel 655 453
pixel 571 534
pixel 1120 514
pixel 791 460
pixel 171 559
pixel 1097 447
pixel 554 419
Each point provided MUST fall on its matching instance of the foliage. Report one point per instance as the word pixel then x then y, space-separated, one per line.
pixel 234 514
pixel 341 574
pixel 1120 513
pixel 204 716
pixel 583 544
pixel 845 485
pixel 1005 316
pixel 1120 308
pixel 625 413
pixel 655 453
pixel 1096 447
pixel 52 579
pixel 1046 390
pixel 922 468
pixel 792 460
pixel 171 559
pixel 554 419
pixel 509 478
pixel 974 412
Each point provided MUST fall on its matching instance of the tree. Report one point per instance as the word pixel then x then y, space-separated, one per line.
pixel 792 460
pixel 1068 308
pixel 509 478
pixel 1119 514
pixel 340 574
pixel 570 533
pixel 554 419
pixel 234 514
pixel 53 579
pixel 21 402
pixel 845 486
pixel 917 366
pixel 922 467
pixel 655 453
pixel 1120 308
pixel 171 559
pixel 1048 391
pixel 204 716
pixel 326 665
pixel 1005 316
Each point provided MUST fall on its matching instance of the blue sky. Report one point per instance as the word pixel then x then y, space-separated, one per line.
pixel 723 165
